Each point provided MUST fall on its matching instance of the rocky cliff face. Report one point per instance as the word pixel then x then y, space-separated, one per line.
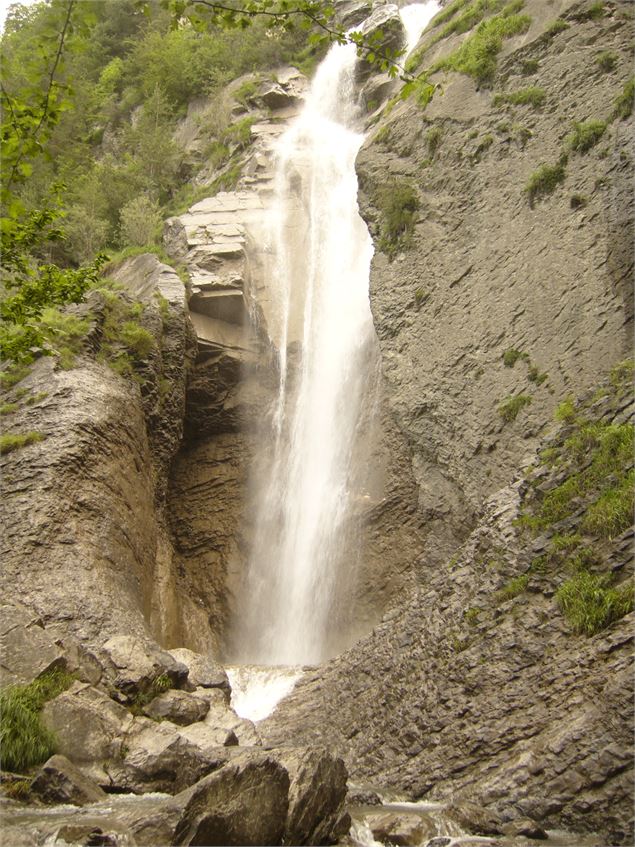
pixel 472 686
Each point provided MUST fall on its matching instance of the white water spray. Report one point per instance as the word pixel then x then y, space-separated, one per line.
pixel 305 534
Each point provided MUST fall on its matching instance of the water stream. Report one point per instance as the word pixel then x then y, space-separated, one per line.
pixel 307 538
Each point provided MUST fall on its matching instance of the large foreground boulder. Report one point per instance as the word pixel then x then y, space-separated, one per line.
pixel 179 707
pixel 204 672
pixel 59 781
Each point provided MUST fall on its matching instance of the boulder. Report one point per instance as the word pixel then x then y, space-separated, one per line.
pixel 242 803
pixel 274 96
pixel 475 819
pixel 526 827
pixel 358 796
pixel 26 649
pixel 178 707
pixel 161 757
pixel 90 728
pixel 316 796
pixel 222 716
pixel 401 828
pixel 134 666
pixel 204 672
pixel 59 781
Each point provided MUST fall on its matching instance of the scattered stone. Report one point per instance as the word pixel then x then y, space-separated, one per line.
pixel 526 827
pixel 204 672
pixel 59 781
pixel 135 666
pixel 160 757
pixel 400 828
pixel 89 727
pixel 178 707
pixel 362 797
pixel 26 649
pixel 475 819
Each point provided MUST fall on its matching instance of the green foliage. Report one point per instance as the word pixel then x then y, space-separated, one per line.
pixel 13 375
pixel 511 356
pixel 592 12
pixel 623 103
pixel 511 406
pixel 11 441
pixel 140 221
pixel 125 343
pixel 544 180
pixel 558 26
pixel 513 588
pixel 590 604
pixel 565 412
pixel 621 376
pixel 477 55
pixel 531 96
pixel 612 512
pixel 586 135
pixel 529 67
pixel 23 738
pixel 8 408
pixel 606 60
pixel 534 375
pixel 471 615
pixel 397 203
pixel 433 140
pixel 578 201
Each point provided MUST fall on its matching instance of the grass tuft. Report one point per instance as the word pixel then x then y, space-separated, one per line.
pixel 24 740
pixel 606 60
pixel 623 103
pixel 11 441
pixel 586 135
pixel 511 406
pixel 589 603
pixel 530 96
pixel 544 180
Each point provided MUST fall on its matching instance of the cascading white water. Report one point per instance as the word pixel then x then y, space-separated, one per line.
pixel 304 542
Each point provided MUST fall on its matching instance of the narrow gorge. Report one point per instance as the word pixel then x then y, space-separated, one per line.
pixel 318 514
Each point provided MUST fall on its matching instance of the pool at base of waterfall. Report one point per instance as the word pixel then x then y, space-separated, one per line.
pixel 257 689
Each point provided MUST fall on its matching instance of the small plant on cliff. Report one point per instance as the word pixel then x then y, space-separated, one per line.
pixel 511 356
pixel 565 413
pixel 11 441
pixel 398 204
pixel 559 25
pixel 23 738
pixel 586 135
pixel 590 604
pixel 513 588
pixel 606 61
pixel 544 180
pixel 612 512
pixel 531 96
pixel 510 407
pixel 433 140
pixel 623 103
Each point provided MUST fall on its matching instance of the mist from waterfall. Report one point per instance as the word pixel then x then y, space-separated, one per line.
pixel 312 473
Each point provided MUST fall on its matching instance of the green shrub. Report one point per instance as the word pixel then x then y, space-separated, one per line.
pixel 23 738
pixel 565 412
pixel 8 408
pixel 63 335
pixel 471 615
pixel 136 338
pixel 589 603
pixel 510 407
pixel 397 204
pixel 529 67
pixel 511 356
pixel 534 375
pixel 612 512
pixel 433 140
pixel 586 135
pixel 606 60
pixel 11 441
pixel 246 91
pixel 544 180
pixel 140 221
pixel 13 375
pixel 593 12
pixel 513 588
pixel 531 96
pixel 623 103
pixel 621 375
pixel 578 201
pixel 559 25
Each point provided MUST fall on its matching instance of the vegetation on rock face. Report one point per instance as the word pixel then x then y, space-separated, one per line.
pixel 531 96
pixel 623 105
pixel 23 738
pixel 510 407
pixel 11 441
pixel 586 135
pixel 544 180
pixel 590 604
pixel 398 204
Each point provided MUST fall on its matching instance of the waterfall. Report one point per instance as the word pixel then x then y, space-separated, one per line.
pixel 312 473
